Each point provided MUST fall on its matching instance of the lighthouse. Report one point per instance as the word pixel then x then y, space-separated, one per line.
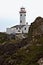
pixel 23 27
pixel 22 16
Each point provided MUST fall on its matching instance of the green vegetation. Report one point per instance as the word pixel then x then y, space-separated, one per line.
pixel 6 38
pixel 3 37
pixel 28 56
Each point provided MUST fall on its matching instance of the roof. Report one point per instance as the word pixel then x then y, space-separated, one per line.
pixel 18 26
pixel 22 10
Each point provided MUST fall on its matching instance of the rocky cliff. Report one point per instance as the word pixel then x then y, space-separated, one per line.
pixel 36 27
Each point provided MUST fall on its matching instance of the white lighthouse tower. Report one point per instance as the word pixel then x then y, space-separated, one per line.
pixel 22 16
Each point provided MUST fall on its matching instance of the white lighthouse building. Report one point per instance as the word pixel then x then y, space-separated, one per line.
pixel 23 27
pixel 22 16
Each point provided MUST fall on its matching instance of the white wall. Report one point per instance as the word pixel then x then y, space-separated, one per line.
pixel 14 30
pixel 23 18
pixel 27 29
pixel 18 31
pixel 10 30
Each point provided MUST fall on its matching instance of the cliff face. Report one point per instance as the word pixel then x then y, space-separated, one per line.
pixel 36 28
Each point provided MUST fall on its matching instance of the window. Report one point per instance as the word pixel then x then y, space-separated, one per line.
pixel 20 21
pixel 25 28
pixel 20 14
pixel 18 30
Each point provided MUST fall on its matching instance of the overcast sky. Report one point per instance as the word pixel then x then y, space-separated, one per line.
pixel 9 11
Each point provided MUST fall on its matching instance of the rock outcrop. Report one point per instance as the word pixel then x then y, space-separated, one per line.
pixel 36 28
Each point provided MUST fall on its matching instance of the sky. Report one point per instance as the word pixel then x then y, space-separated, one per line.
pixel 9 12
